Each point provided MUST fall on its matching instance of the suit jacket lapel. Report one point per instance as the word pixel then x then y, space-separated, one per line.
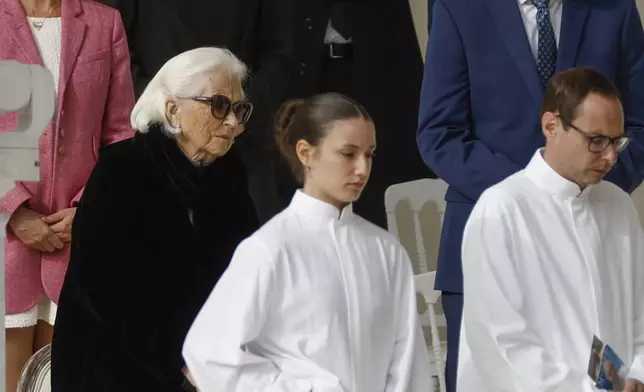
pixel 21 32
pixel 72 39
pixel 507 19
pixel 573 20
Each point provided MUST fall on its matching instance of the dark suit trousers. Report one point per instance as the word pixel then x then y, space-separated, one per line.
pixel 453 308
pixel 337 76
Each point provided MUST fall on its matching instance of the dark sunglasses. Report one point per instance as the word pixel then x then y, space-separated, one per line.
pixel 221 106
pixel 599 143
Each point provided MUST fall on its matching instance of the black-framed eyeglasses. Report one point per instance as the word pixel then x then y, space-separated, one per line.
pixel 599 143
pixel 221 106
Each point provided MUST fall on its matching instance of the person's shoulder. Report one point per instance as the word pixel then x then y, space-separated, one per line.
pixel 613 202
pixel 396 255
pixel 503 202
pixel 454 3
pixel 374 231
pixel 263 246
pixel 93 6
pixel 506 193
pixel 277 231
pixel 120 164
pixel 101 13
pixel 117 154
pixel 610 193
pixel 376 236
pixel 462 10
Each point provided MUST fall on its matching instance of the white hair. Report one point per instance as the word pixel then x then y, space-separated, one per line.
pixel 184 75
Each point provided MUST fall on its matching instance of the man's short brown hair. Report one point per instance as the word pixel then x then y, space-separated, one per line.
pixel 567 90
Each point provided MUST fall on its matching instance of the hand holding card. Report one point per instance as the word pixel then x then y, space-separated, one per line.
pixel 605 367
pixel 607 370
pixel 613 375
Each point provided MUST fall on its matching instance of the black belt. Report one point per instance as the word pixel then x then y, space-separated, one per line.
pixel 340 51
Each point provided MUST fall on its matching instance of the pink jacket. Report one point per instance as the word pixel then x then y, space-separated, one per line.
pixel 95 98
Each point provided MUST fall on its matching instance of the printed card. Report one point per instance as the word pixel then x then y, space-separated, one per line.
pixel 604 365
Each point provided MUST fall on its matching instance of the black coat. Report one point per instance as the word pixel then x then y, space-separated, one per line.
pixel 388 71
pixel 151 237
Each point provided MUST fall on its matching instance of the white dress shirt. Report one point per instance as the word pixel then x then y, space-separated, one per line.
pixel 546 267
pixel 315 300
pixel 529 16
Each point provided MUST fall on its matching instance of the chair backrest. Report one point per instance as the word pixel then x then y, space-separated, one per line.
pixel 638 200
pixel 417 193
pixel 425 287
pixel 35 376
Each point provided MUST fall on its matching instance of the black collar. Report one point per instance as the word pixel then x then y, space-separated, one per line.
pixel 191 183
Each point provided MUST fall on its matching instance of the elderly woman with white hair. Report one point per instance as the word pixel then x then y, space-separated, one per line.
pixel 157 225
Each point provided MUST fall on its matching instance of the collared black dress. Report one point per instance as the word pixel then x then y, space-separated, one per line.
pixel 152 235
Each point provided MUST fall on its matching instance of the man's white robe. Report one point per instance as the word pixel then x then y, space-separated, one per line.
pixel 546 266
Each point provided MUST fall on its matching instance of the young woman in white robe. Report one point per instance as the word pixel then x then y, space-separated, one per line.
pixel 318 299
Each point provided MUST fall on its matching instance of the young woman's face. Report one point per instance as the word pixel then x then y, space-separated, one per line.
pixel 338 169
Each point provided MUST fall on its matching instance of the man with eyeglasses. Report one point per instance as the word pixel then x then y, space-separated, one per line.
pixel 553 255
pixel 486 68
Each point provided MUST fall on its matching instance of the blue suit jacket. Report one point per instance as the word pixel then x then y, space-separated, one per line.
pixel 480 102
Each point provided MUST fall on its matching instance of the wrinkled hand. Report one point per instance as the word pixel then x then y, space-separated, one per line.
pixel 29 227
pixel 630 385
pixel 61 223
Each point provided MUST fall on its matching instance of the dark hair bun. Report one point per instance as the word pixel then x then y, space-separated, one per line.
pixel 285 116
pixel 309 120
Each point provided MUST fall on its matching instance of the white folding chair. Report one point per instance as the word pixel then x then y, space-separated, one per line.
pixel 418 194
pixel 35 376
pixel 425 287
pixel 638 200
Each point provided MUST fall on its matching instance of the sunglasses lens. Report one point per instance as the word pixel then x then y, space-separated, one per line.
pixel 220 106
pixel 243 111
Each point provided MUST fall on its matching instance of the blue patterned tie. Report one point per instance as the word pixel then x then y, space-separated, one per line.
pixel 547 47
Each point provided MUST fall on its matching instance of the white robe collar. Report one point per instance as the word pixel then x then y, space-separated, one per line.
pixel 546 178
pixel 308 205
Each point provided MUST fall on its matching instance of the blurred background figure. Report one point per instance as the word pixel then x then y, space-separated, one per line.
pixel 157 226
pixel 83 45
pixel 259 32
pixel 367 50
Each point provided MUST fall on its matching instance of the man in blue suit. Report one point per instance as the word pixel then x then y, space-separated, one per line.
pixel 486 67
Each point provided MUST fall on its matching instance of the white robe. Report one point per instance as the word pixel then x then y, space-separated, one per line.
pixel 315 301
pixel 547 266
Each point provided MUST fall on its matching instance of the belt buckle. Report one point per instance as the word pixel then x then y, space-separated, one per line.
pixel 332 52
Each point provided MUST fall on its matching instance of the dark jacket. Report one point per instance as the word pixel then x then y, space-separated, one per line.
pixel 256 31
pixel 151 237
pixel 387 69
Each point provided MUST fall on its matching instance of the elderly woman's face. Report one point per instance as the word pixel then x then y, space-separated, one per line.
pixel 204 137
